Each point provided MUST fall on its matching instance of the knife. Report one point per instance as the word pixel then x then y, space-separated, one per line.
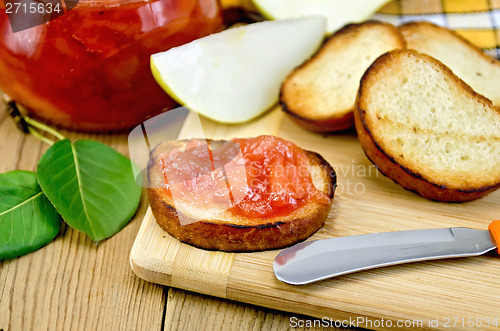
pixel 312 261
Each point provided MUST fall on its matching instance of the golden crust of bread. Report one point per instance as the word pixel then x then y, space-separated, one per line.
pixel 400 173
pixel 255 235
pixel 406 178
pixel 332 124
pixel 320 94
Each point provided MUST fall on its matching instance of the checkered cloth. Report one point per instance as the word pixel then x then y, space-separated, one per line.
pixel 476 20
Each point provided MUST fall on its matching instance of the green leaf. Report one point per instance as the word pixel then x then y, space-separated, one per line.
pixel 28 220
pixel 91 185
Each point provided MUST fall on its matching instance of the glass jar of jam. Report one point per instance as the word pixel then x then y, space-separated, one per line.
pixel 88 69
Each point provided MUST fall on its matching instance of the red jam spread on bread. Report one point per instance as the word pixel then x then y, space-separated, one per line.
pixel 193 177
pixel 278 177
pixel 259 177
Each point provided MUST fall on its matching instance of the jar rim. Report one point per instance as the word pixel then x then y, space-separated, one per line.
pixel 110 3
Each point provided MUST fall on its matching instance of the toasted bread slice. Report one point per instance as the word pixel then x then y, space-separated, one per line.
pixel 428 130
pixel 210 227
pixel 465 59
pixel 320 95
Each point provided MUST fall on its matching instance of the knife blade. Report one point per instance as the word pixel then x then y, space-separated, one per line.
pixel 312 261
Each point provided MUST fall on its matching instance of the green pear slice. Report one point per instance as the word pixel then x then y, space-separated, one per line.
pixel 337 12
pixel 235 75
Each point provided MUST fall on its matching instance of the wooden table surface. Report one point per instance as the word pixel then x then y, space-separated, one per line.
pixel 73 284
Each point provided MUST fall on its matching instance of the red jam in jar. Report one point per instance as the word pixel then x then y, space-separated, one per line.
pixel 89 68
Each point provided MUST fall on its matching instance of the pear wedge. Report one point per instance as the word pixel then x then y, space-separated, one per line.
pixel 235 75
pixel 337 12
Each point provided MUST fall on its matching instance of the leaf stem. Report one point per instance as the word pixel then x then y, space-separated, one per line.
pixel 43 127
pixel 29 125
pixel 37 135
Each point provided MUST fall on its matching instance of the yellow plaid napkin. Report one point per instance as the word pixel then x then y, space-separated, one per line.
pixel 476 20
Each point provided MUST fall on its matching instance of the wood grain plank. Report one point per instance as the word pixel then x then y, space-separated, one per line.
pixel 73 284
pixel 193 311
pixel 414 292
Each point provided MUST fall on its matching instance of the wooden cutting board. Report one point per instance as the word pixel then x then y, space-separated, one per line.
pixel 455 294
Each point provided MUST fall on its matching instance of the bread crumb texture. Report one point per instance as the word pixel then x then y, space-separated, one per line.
pixel 432 123
pixel 326 86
